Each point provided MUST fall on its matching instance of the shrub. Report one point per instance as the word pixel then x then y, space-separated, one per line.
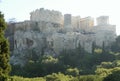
pixel 115 76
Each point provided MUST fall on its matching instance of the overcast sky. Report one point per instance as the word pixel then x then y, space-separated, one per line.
pixel 20 9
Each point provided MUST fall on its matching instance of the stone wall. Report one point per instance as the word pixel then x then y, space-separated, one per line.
pixel 67 20
pixel 76 21
pixel 86 23
pixel 103 20
pixel 9 34
pixel 46 15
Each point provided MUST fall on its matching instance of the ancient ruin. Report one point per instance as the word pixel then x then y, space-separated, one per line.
pixel 50 32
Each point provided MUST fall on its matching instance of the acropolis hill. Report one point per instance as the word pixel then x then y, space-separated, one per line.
pixel 51 32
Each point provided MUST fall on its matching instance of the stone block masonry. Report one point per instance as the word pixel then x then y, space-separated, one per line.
pixel 46 15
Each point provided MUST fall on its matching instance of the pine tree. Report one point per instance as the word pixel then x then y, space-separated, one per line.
pixel 4 51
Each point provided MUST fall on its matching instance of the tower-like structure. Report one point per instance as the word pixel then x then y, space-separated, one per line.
pixel 67 20
pixel 103 20
pixel 46 15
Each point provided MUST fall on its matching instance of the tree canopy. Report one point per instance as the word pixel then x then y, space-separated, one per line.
pixel 4 51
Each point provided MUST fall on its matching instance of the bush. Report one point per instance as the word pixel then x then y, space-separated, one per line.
pixel 58 77
pixel 72 71
pixel 115 76
pixel 91 78
pixel 16 78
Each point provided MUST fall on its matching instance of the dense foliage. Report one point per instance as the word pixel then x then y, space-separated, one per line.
pixel 59 77
pixel 4 51
pixel 115 76
pixel 116 45
pixel 71 62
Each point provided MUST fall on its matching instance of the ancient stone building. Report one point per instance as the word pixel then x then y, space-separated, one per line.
pixel 86 23
pixel 50 32
pixel 46 15
pixel 103 20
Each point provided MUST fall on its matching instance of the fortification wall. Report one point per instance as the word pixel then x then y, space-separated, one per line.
pixel 46 15
pixel 40 26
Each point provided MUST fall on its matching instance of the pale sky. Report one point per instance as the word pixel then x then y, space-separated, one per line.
pixel 20 9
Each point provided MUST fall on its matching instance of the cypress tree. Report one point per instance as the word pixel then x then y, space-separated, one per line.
pixel 4 51
pixel 93 46
pixel 103 48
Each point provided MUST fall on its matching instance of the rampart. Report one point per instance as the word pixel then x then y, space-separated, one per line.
pixel 46 15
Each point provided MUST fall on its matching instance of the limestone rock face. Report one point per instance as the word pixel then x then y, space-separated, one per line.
pixel 26 42
pixel 46 33
pixel 104 33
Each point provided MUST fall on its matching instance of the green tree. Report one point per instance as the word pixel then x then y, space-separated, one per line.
pixel 59 77
pixel 4 51
pixel 72 71
pixel 103 48
pixel 93 46
pixel 116 45
pixel 115 76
